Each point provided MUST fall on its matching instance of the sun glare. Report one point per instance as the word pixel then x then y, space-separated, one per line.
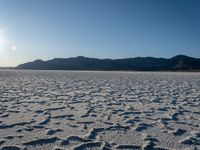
pixel 13 47
pixel 1 40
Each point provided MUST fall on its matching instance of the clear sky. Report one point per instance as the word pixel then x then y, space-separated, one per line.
pixel 45 29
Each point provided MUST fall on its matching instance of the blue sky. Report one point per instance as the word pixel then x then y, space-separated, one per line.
pixel 45 29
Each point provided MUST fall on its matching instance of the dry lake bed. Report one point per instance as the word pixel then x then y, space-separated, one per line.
pixel 77 110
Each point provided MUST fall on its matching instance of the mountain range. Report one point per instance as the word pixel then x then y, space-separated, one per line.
pixel 179 62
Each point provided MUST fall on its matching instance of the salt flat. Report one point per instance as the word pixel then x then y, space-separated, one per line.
pixel 99 110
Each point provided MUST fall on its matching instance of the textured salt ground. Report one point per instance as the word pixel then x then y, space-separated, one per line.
pixel 99 110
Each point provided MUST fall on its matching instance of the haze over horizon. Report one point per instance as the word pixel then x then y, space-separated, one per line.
pixel 49 29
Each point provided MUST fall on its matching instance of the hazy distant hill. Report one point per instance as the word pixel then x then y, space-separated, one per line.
pixel 7 68
pixel 179 62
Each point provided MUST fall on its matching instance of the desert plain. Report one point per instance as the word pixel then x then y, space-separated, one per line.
pixel 88 110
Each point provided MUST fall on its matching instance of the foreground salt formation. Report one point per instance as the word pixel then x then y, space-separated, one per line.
pixel 99 110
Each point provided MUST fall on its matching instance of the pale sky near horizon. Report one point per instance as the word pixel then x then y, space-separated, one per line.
pixel 45 29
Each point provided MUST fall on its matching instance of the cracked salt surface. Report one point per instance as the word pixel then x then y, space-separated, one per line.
pixel 80 110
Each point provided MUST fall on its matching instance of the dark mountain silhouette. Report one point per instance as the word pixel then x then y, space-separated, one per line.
pixel 179 62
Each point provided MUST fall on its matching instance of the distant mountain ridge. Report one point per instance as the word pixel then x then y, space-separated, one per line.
pixel 179 62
